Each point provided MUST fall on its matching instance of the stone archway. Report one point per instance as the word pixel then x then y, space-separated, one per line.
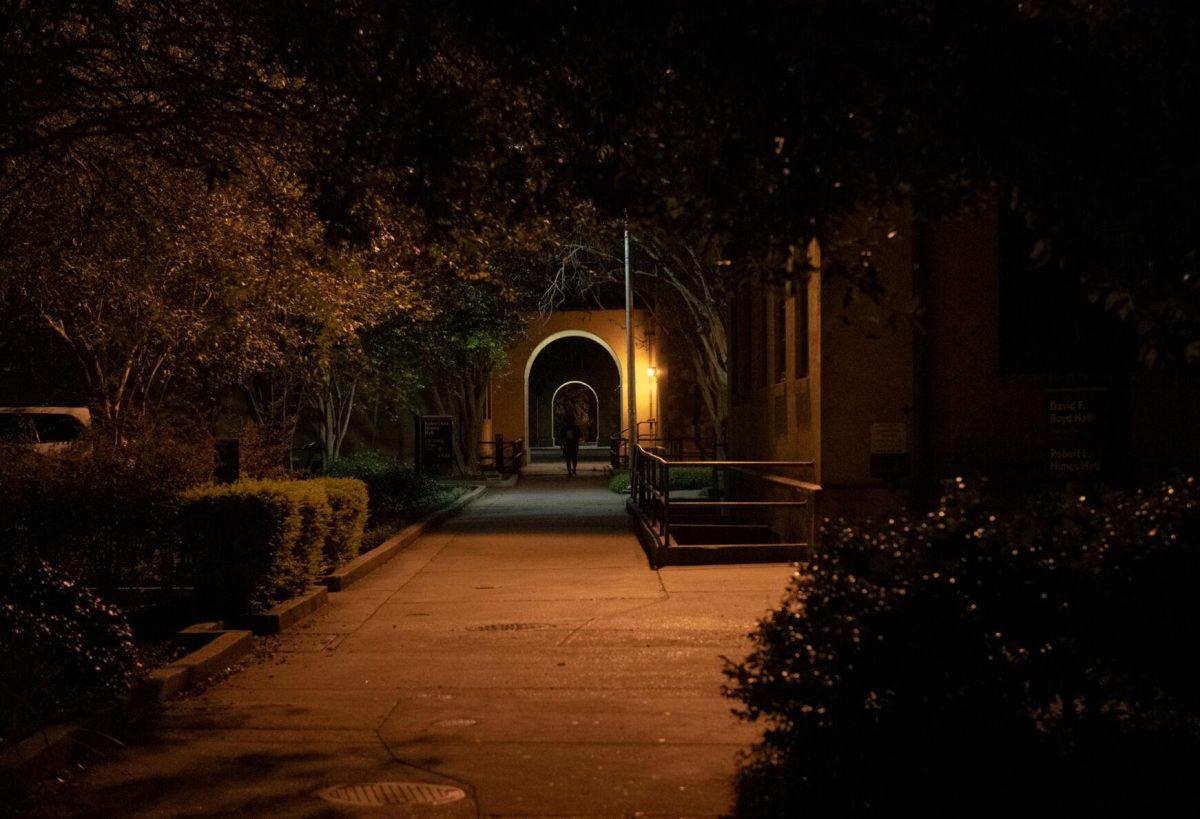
pixel 582 359
pixel 580 400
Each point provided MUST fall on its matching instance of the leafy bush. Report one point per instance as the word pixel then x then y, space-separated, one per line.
pixel 682 478
pixel 240 544
pixel 104 513
pixel 395 491
pixel 316 516
pixel 63 651
pixel 252 544
pixel 976 662
pixel 348 502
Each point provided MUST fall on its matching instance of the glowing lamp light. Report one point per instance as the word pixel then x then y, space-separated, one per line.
pixel 651 371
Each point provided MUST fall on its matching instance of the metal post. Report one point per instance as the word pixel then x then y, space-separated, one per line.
pixel 630 366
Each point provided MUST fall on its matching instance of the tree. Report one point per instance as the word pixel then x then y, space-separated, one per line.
pixel 755 128
pixel 154 280
pixel 451 357
pixel 195 83
pixel 685 289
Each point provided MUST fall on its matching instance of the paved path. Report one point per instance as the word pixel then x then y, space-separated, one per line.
pixel 524 653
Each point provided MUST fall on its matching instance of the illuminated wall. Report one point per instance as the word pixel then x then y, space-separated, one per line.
pixel 510 413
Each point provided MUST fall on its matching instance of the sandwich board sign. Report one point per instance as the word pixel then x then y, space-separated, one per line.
pixel 435 443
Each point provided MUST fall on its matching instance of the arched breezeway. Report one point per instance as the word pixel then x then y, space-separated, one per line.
pixel 602 333
pixel 578 372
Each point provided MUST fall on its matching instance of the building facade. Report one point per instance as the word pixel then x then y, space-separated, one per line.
pixel 575 359
pixel 969 357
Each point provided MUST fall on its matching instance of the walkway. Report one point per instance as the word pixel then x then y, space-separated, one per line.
pixel 524 653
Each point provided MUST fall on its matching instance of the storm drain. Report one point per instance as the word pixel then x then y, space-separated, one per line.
pixel 393 793
pixel 454 723
pixel 509 627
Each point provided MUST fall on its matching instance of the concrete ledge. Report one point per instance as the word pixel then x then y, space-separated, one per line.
pixel 287 613
pixel 503 481
pixel 220 650
pixel 366 563
pixel 40 755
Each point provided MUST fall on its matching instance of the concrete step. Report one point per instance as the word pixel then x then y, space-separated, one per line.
pixel 699 534
pixel 726 553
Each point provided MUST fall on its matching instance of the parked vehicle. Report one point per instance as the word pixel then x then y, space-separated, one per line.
pixel 44 429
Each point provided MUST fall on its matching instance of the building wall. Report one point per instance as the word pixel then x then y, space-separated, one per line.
pixel 859 373
pixel 774 414
pixel 509 390
pixel 866 374
pixel 981 417
pixel 910 386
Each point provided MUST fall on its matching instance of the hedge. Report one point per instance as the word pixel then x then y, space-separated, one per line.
pixel 348 501
pixel 315 517
pixel 252 544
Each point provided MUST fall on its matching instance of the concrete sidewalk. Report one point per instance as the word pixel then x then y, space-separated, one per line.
pixel 523 653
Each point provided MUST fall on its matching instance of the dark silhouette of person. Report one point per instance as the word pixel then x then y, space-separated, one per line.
pixel 570 442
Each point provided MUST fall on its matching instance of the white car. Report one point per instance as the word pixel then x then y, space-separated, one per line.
pixel 45 429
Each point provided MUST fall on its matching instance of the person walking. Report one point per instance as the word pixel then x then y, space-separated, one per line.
pixel 570 443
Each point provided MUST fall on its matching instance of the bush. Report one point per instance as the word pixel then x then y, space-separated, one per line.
pixel 240 545
pixel 104 513
pixel 252 544
pixel 316 516
pixel 976 662
pixel 395 491
pixel 348 501
pixel 682 478
pixel 63 650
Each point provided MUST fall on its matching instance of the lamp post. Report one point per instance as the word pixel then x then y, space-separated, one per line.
pixel 629 359
pixel 652 386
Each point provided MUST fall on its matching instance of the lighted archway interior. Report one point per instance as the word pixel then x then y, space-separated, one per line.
pixel 579 401
pixel 573 364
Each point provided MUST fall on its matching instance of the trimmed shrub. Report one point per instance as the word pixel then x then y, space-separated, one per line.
pixel 316 516
pixel 348 501
pixel 252 544
pixel 240 545
pixel 395 491
pixel 985 663
pixel 63 650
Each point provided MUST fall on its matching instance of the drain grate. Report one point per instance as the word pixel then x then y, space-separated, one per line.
pixel 509 627
pixel 454 723
pixel 393 793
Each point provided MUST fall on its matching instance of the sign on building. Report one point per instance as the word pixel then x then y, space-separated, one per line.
pixel 435 443
pixel 1078 434
pixel 890 460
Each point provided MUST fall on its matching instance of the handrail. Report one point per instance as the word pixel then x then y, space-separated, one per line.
pixel 650 494
pixel 506 457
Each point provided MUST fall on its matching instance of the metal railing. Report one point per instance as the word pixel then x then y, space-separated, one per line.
pixel 739 497
pixel 505 457
pixel 678 449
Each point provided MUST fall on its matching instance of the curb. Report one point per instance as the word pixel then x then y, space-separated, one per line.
pixel 287 613
pixel 221 650
pixel 40 755
pixel 366 563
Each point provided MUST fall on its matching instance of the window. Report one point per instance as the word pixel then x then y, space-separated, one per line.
pixel 800 326
pixel 762 360
pixel 779 328
pixel 742 335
